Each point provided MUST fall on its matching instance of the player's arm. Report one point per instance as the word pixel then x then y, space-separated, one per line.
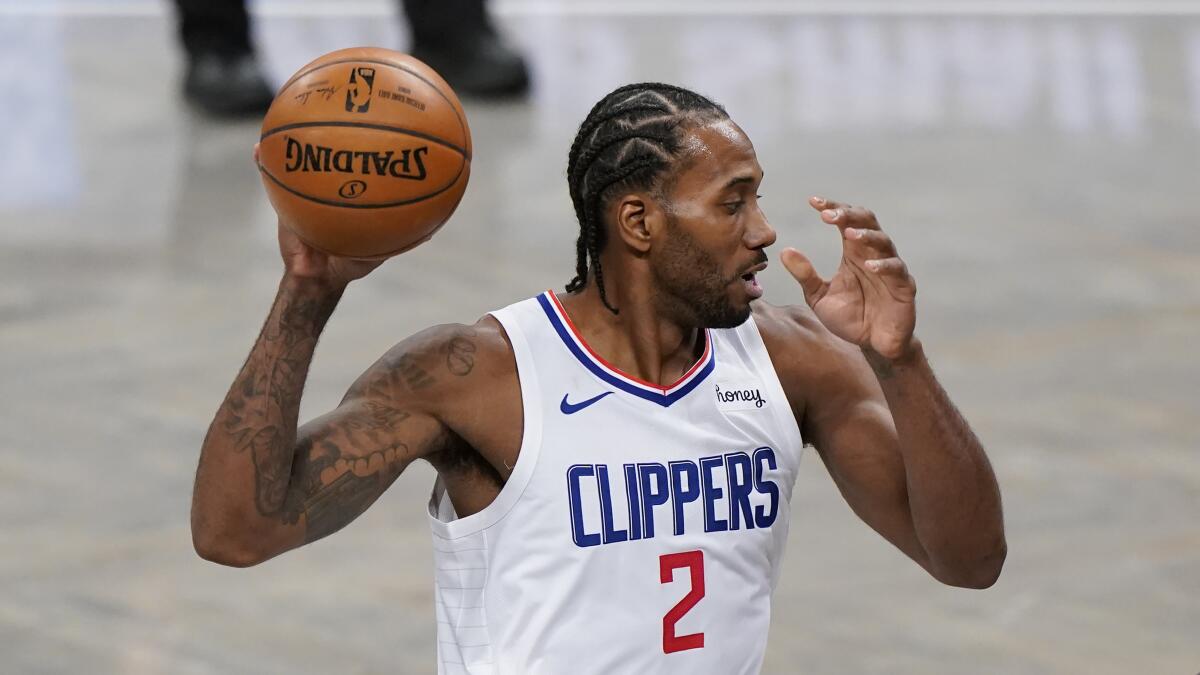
pixel 264 487
pixel 900 452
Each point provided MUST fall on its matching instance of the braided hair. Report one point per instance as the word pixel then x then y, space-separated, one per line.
pixel 629 141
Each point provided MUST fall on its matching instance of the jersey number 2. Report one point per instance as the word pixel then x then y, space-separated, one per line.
pixel 667 564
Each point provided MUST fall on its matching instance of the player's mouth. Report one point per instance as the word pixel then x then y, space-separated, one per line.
pixel 750 281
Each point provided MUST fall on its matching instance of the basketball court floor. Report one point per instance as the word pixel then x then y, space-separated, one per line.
pixel 1038 165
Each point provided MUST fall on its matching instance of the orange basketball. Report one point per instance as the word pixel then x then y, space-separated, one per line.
pixel 365 152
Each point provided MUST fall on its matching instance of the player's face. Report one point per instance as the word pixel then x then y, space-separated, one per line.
pixel 711 246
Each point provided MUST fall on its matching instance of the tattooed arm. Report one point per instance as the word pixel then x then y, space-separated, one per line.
pixel 263 486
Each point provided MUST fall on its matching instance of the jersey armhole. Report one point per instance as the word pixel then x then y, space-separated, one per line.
pixel 440 507
pixel 784 416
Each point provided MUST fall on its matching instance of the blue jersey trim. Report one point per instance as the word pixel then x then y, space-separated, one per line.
pixel 665 400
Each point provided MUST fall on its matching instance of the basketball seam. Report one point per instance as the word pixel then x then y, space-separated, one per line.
pixel 415 244
pixel 365 125
pixel 461 123
pixel 328 202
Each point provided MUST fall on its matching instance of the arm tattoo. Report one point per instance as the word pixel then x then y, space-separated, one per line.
pixel 460 353
pixel 324 479
pixel 262 407
pixel 414 375
pixel 334 480
pixel 391 376
pixel 410 370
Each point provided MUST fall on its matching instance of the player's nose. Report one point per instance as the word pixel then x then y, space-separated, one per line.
pixel 759 233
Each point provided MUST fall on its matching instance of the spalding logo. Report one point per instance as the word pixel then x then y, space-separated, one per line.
pixel 308 158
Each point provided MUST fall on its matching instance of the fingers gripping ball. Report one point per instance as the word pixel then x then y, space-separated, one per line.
pixel 365 152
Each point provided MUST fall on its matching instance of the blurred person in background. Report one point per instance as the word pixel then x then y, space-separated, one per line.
pixel 455 37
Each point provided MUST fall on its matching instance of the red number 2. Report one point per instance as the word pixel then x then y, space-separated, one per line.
pixel 667 564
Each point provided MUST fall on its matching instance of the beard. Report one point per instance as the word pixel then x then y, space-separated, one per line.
pixel 690 285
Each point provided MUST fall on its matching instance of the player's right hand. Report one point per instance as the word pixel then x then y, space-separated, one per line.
pixel 303 261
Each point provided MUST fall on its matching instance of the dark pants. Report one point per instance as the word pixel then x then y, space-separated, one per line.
pixel 223 26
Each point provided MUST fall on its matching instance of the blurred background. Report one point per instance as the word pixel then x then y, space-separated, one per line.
pixel 1038 164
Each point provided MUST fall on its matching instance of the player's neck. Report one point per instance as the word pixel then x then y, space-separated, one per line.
pixel 639 340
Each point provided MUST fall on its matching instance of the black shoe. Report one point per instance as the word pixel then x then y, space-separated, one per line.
pixel 227 86
pixel 481 65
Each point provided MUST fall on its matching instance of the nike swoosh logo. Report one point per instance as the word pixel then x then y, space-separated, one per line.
pixel 572 408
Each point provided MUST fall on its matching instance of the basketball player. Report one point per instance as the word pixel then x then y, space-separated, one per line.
pixel 615 463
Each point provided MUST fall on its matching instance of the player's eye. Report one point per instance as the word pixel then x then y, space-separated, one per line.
pixel 734 207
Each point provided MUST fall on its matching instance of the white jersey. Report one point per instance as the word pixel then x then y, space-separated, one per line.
pixel 642 528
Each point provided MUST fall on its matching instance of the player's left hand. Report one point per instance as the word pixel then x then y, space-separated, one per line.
pixel 871 299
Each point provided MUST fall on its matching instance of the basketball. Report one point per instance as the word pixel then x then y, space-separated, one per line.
pixel 365 152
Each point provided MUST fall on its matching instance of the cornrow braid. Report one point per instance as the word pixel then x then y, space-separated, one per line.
pixel 629 140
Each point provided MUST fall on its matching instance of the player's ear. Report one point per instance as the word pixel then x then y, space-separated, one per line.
pixel 634 221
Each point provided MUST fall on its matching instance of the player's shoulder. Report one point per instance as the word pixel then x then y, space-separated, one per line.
pixel 796 338
pixel 443 362
pixel 485 338
pixel 786 324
